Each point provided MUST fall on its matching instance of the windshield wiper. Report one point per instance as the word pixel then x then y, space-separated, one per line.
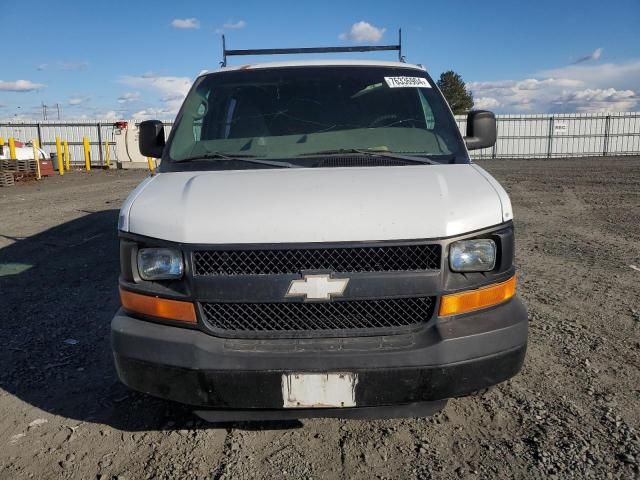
pixel 374 153
pixel 238 158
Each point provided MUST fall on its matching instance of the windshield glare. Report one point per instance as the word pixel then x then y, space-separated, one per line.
pixel 293 112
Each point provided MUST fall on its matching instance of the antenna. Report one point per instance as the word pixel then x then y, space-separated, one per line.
pixel 292 51
pixel 223 63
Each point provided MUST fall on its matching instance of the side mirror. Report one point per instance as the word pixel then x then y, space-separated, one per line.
pixel 481 130
pixel 151 138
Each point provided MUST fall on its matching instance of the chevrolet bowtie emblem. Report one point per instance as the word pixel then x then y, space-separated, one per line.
pixel 317 287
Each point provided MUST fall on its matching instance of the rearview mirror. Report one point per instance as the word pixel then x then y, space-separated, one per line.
pixel 481 130
pixel 151 138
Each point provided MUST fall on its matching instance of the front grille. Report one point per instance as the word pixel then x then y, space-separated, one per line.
pixel 317 319
pixel 344 260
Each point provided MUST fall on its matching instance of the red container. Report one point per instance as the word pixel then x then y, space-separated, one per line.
pixel 46 168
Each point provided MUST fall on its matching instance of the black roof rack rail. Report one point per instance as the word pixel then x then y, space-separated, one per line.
pixel 289 51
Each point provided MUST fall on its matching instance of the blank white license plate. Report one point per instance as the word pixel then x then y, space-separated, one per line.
pixel 319 390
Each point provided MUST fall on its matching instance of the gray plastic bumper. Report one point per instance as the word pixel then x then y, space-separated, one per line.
pixel 451 358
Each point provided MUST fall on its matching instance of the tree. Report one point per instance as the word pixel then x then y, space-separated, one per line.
pixel 455 91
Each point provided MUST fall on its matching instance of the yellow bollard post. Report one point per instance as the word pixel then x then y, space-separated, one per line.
pixel 150 162
pixel 36 157
pixel 1 142
pixel 67 159
pixel 106 153
pixel 12 148
pixel 59 156
pixel 87 153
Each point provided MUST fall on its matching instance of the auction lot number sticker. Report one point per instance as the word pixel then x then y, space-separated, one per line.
pixel 404 82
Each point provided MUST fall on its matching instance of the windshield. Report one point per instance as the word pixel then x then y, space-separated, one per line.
pixel 288 113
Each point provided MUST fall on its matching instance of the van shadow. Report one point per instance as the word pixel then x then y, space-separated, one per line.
pixel 58 293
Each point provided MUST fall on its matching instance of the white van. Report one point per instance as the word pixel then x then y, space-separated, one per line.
pixel 317 243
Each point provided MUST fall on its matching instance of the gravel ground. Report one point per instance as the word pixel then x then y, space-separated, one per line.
pixel 573 411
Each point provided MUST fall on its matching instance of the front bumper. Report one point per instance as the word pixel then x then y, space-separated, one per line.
pixel 242 378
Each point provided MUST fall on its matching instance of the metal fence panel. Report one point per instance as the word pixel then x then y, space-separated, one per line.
pixel 73 132
pixel 624 134
pixel 519 136
pixel 563 135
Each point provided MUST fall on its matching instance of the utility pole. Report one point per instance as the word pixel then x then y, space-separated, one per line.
pixel 45 107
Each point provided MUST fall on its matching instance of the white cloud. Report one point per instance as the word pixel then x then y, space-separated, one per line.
pixel 595 55
pixel 230 25
pixel 363 32
pixel 173 97
pixel 63 66
pixel 598 100
pixel 167 85
pixel 110 116
pixel 20 86
pixel 618 75
pixel 171 90
pixel 105 115
pixel 129 97
pixel 185 23
pixel 102 115
pixel 483 103
pixel 574 88
pixel 235 25
pixel 152 113
pixel 78 100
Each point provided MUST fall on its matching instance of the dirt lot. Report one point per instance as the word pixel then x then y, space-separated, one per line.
pixel 574 410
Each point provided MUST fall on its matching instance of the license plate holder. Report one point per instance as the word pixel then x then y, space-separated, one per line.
pixel 319 390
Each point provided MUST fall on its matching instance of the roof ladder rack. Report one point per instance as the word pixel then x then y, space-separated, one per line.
pixel 290 51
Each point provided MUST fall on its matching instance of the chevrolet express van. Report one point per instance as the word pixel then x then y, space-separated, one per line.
pixel 317 242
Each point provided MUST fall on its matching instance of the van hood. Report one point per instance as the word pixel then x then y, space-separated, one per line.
pixel 315 205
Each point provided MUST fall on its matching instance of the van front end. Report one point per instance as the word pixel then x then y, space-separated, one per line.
pixel 354 329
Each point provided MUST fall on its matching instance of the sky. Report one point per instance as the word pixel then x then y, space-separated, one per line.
pixel 137 59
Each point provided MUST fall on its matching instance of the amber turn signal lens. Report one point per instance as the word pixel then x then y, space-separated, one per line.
pixel 471 300
pixel 158 307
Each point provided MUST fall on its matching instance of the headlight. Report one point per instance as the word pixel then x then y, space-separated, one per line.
pixel 473 255
pixel 160 263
